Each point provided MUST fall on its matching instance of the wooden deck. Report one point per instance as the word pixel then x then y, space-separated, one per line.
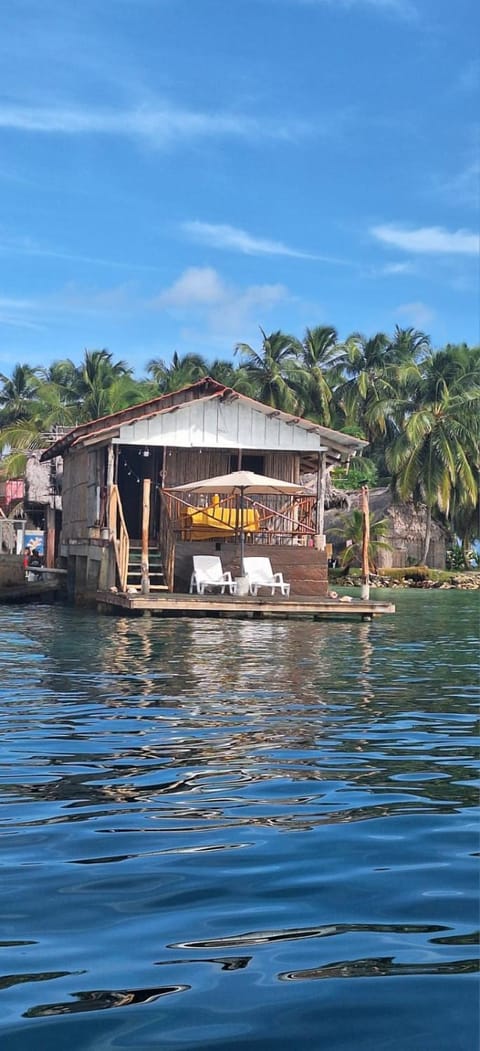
pixel 178 605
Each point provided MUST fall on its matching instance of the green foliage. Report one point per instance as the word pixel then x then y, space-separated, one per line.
pixel 435 455
pixel 459 558
pixel 360 471
pixel 351 531
pixel 455 558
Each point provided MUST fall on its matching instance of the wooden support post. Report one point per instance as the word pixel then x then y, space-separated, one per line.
pixel 110 465
pixel 50 538
pixel 147 483
pixel 111 506
pixel 365 544
pixel 320 510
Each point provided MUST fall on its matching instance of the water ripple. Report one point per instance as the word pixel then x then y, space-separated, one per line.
pixel 227 801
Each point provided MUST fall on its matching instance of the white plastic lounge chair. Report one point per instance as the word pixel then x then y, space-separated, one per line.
pixel 260 575
pixel 208 573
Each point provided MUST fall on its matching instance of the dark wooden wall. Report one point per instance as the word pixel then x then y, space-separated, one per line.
pixel 304 567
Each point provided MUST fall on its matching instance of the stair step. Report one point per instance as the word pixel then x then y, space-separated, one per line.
pixel 137 575
pixel 155 569
pixel 137 570
pixel 151 562
pixel 153 587
pixel 138 552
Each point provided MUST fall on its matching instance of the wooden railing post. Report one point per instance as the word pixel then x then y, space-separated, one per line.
pixel 118 535
pixel 167 540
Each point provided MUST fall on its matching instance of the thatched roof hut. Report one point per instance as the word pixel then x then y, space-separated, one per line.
pixel 406 534
pixel 42 481
pixel 337 499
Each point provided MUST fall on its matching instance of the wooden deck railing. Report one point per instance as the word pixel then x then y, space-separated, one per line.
pixel 119 535
pixel 292 520
pixel 282 522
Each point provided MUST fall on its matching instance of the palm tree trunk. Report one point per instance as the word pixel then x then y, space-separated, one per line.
pixel 428 536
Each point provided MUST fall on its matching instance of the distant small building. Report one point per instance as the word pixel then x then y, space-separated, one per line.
pixel 406 533
pixel 11 494
pixel 33 502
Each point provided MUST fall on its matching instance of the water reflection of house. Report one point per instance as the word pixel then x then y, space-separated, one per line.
pixel 114 466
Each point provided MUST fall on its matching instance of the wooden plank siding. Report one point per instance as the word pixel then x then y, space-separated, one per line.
pixel 304 567
pixel 75 496
pixel 83 475
pixel 283 465
pixel 190 465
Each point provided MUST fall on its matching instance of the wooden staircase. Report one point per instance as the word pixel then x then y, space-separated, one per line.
pixel 155 564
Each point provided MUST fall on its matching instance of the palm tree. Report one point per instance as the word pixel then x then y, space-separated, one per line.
pixel 103 385
pixel 274 369
pixel 36 402
pixel 366 382
pixel 320 359
pixel 237 378
pixel 408 346
pixel 351 531
pixel 17 392
pixel 436 455
pixel 181 372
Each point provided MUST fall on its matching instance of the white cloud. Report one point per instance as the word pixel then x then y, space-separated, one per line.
pixel 27 247
pixel 402 8
pixel 14 313
pixel 416 314
pixel 69 300
pixel 230 237
pixel 197 286
pixel 159 124
pixel 428 239
pixel 200 297
pixel 396 268
pixel 117 299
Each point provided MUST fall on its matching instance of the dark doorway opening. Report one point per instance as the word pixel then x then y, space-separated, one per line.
pixel 134 464
pixel 249 462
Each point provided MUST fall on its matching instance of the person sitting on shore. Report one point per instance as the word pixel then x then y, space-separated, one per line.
pixel 34 562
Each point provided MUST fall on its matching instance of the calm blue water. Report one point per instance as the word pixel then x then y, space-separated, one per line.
pixel 239 834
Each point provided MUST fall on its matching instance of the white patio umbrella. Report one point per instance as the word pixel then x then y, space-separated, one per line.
pixel 241 482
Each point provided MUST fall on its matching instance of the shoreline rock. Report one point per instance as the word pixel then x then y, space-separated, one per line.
pixel 456 582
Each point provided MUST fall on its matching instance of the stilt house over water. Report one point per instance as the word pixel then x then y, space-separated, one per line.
pixel 123 528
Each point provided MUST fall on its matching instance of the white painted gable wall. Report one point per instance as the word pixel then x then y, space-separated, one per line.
pixel 220 425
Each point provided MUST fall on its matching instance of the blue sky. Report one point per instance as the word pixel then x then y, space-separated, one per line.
pixel 176 173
